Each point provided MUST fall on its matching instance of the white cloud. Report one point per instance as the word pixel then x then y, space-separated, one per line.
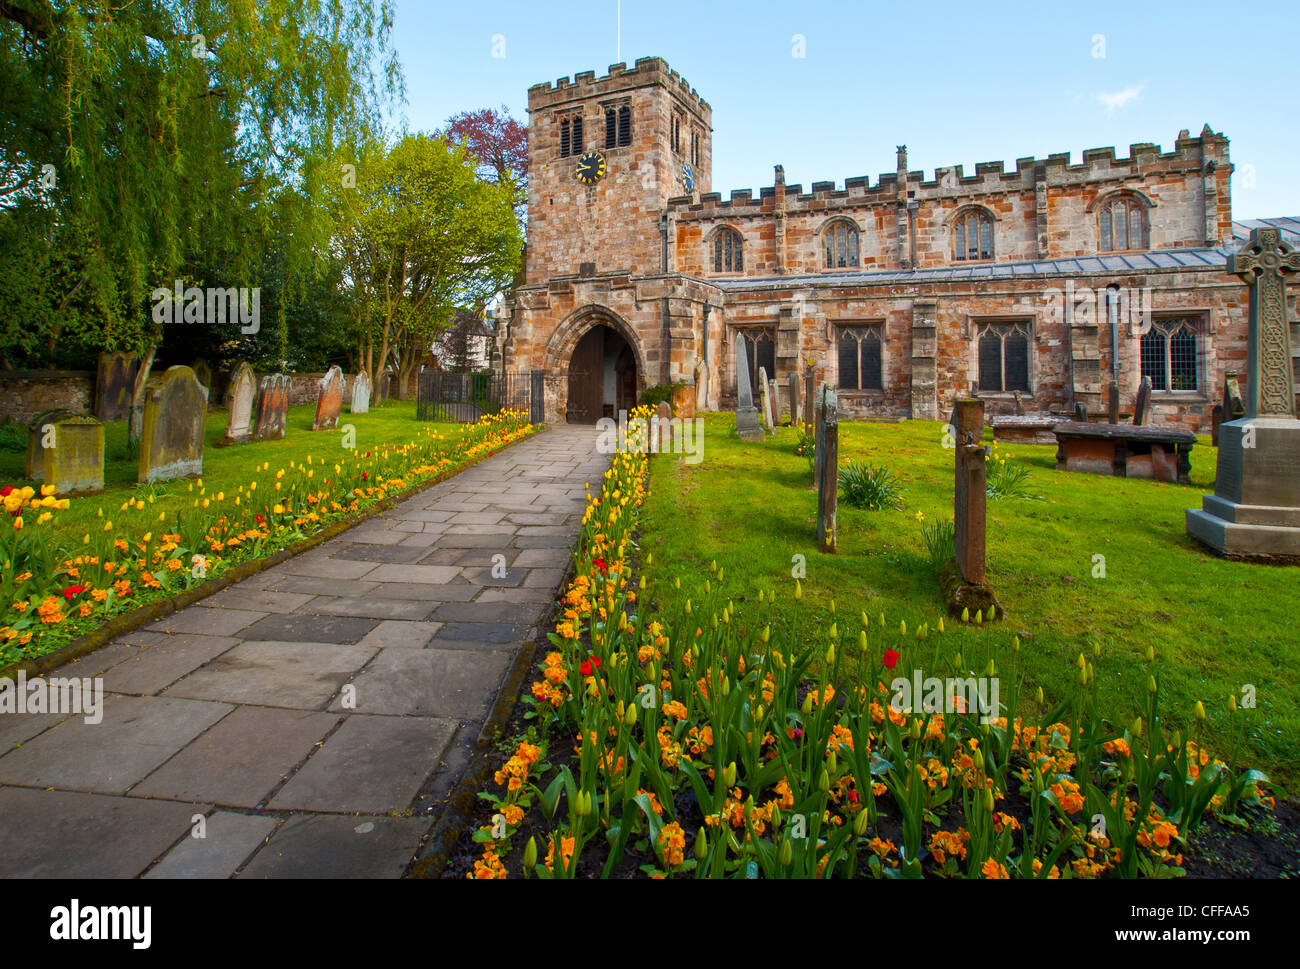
pixel 1119 99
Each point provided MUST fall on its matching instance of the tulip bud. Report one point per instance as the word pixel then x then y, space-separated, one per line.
pixel 1151 684
pixel 720 571
pixel 642 583
pixel 862 640
pixel 1232 702
pixel 726 685
pixel 688 607
pixel 530 854
pixel 1083 676
pixel 618 710
pixel 1081 662
pixel 1039 697
pixel 831 762
pixel 713 566
pixel 865 620
pixel 835 631
pixel 1015 643
pixel 965 614
pixel 832 607
pixel 902 627
pixel 766 634
pixel 677 583
pixel 1091 673
pixel 776 816
pixel 806 708
pixel 1135 728
pixel 860 823
pixel 979 617
pixel 708 586
pixel 988 800
pixel 1200 710
pixel 882 620
pixel 830 655
pixel 824 781
pixel 701 846
pixel 798 590
pixel 916 728
pixel 649 557
pixel 1151 654
pixel 940 626
pixel 1096 649
pixel 729 774
pixel 713 620
pixel 993 670
pixel 787 853
pixel 629 715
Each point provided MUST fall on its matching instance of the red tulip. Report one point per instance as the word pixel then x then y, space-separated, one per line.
pixel 73 590
pixel 589 667
pixel 891 658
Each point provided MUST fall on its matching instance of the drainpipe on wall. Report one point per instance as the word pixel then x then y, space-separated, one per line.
pixel 912 206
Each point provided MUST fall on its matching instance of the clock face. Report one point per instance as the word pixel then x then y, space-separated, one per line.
pixel 688 177
pixel 591 168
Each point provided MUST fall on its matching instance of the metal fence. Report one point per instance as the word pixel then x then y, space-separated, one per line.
pixel 465 397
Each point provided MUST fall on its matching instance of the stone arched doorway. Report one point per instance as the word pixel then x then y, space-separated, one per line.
pixel 602 376
pixel 601 365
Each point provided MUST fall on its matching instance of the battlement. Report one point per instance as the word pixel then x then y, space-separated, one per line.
pixel 1189 154
pixel 645 72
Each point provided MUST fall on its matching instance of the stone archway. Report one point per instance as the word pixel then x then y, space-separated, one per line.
pixel 602 364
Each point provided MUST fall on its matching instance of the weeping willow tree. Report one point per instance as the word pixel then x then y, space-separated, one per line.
pixel 146 142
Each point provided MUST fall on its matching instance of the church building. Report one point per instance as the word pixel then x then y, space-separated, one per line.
pixel 1039 287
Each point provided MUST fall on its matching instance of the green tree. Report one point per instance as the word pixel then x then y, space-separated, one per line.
pixel 420 238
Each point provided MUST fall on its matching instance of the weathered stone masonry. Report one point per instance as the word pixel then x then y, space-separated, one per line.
pixel 635 252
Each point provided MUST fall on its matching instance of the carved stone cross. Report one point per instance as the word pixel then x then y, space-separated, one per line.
pixel 1262 264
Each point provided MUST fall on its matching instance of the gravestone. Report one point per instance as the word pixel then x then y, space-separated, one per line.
pixel 204 374
pixel 329 403
pixel 1234 408
pixel 171 443
pixel 115 385
pixel 765 396
pixel 1081 413
pixel 701 387
pixel 827 459
pixel 1254 512
pixel 808 399
pixel 662 434
pixel 74 461
pixel 776 403
pixel 361 393
pixel 1112 404
pixel 272 408
pixel 243 390
pixel 1143 403
pixel 1216 420
pixel 37 430
pixel 384 387
pixel 1020 405
pixel 796 399
pixel 747 426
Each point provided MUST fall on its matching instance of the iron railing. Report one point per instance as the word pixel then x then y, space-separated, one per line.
pixel 466 397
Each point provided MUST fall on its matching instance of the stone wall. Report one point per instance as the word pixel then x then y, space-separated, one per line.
pixel 26 393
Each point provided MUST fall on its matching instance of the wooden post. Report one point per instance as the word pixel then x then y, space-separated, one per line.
pixel 828 460
pixel 969 492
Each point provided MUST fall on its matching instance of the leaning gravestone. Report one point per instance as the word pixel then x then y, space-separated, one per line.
pixel 171 443
pixel 747 426
pixel 384 387
pixel 1143 403
pixel 1234 407
pixel 765 398
pixel 243 390
pixel 330 402
pixel 776 403
pixel 1112 403
pixel 701 387
pixel 1081 413
pixel 115 385
pixel 1254 512
pixel 965 584
pixel 272 408
pixel 808 399
pixel 796 412
pixel 204 374
pixel 827 458
pixel 361 393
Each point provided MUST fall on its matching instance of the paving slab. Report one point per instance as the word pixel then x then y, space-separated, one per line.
pixel 369 607
pixel 431 682
pixel 257 600
pixel 458 591
pixel 481 632
pixel 422 574
pixel 297 675
pixel 400 634
pixel 59 834
pixel 135 736
pixel 163 661
pixel 207 621
pixel 382 554
pixel 304 628
pixel 227 842
pixel 241 759
pixel 326 846
pixel 518 613
pixel 371 764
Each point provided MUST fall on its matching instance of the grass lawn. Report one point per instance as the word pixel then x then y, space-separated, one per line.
pixel 1216 626
pixel 226 468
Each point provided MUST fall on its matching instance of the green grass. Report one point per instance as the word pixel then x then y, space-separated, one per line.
pixel 225 468
pixel 1215 625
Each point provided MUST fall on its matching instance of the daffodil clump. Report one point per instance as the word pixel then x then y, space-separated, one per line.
pixel 54 588
pixel 695 744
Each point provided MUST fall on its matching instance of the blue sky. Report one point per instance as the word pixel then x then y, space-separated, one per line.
pixel 957 83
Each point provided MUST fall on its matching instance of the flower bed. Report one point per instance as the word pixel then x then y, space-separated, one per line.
pixel 54 588
pixel 676 745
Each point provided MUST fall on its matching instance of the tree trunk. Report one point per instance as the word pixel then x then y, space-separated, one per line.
pixel 135 420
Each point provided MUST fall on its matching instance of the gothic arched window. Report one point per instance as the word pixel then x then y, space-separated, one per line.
pixel 1121 224
pixel 728 251
pixel 841 245
pixel 972 235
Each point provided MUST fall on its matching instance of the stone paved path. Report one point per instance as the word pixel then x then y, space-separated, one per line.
pixel 236 708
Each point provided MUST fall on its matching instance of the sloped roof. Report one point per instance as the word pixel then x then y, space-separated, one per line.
pixel 1289 225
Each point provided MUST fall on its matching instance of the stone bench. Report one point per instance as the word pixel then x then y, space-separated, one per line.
pixel 1162 453
pixel 1024 428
